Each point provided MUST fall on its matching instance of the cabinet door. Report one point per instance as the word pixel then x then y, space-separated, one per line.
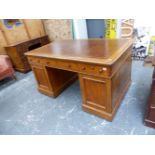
pixel 96 93
pixel 44 85
pixel 40 76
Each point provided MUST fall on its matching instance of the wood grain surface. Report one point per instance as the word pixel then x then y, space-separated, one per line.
pixel 99 51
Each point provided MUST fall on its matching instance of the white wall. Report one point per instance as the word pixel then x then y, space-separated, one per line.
pixel 80 29
pixel 146 23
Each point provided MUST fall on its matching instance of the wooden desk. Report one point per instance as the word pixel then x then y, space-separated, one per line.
pixel 16 52
pixel 103 67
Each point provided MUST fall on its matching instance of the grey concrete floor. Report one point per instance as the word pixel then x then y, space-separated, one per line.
pixel 23 110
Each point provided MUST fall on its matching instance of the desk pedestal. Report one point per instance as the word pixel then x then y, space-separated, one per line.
pixel 102 96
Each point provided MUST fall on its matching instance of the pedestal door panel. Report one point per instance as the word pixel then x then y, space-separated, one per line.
pixel 120 81
pixel 96 95
pixel 42 80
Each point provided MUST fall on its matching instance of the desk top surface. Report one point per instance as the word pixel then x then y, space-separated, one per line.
pixel 100 51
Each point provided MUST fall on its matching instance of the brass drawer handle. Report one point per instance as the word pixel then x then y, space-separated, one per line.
pixel 83 68
pixel 69 66
pixel 48 63
pixel 102 70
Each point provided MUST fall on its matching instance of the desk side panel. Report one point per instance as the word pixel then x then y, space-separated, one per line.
pixel 121 79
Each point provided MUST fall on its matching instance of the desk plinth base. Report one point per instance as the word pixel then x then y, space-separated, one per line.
pixel 149 123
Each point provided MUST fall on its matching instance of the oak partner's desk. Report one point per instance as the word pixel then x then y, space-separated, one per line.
pixel 103 66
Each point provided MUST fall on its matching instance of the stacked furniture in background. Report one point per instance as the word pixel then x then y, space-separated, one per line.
pixel 17 52
pixel 150 113
pixel 6 69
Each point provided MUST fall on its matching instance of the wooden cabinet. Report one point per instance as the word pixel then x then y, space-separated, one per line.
pixel 17 52
pixel 150 112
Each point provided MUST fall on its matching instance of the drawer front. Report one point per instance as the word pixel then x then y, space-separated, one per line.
pixel 90 69
pixel 95 70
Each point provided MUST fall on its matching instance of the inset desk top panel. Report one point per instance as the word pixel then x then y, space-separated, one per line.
pixel 99 51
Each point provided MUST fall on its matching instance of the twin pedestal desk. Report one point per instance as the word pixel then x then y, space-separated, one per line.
pixel 103 68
